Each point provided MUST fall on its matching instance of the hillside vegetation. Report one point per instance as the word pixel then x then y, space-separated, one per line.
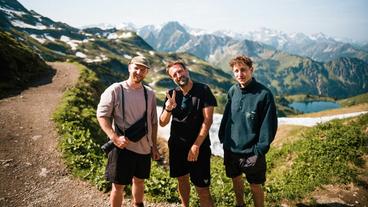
pixel 19 65
pixel 355 100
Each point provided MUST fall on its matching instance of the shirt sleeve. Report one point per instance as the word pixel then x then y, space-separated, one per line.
pixel 268 126
pixel 225 117
pixel 208 99
pixel 106 105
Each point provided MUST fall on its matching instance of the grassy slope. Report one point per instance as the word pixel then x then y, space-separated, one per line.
pixel 360 99
pixel 336 148
pixel 19 63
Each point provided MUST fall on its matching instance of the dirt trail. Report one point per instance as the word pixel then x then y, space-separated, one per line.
pixel 31 169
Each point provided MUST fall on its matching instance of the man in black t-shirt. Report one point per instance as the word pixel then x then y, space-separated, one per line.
pixel 191 107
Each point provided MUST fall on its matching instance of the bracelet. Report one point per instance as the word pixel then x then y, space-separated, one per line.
pixel 168 110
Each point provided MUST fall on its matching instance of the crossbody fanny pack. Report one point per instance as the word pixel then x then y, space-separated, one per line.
pixel 135 132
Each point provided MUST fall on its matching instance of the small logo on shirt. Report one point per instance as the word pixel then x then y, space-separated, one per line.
pixel 250 115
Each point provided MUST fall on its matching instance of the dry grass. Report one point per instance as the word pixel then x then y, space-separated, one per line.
pixel 287 134
pixel 163 149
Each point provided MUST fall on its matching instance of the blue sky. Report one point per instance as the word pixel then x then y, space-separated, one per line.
pixel 336 18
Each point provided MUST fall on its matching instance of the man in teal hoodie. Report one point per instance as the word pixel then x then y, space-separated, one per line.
pixel 247 129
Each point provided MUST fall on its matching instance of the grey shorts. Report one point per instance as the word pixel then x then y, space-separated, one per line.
pixel 123 164
pixel 254 174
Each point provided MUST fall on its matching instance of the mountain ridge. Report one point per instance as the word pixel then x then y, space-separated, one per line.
pixel 100 49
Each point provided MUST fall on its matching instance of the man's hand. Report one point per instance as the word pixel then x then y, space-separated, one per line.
pixel 155 153
pixel 193 153
pixel 121 142
pixel 170 104
pixel 248 162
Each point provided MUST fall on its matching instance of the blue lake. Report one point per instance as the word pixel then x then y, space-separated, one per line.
pixel 314 106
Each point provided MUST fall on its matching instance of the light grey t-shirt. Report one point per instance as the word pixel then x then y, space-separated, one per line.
pixel 134 105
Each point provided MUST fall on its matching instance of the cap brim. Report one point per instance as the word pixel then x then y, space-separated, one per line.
pixel 142 65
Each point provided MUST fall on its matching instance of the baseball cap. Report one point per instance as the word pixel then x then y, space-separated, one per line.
pixel 140 60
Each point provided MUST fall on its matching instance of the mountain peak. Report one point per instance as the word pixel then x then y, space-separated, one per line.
pixel 174 26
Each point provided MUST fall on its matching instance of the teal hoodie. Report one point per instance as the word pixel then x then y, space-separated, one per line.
pixel 249 123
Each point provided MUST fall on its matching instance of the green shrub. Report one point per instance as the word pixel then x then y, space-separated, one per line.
pixel 81 136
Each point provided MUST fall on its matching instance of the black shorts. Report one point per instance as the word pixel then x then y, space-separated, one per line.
pixel 255 174
pixel 199 171
pixel 123 164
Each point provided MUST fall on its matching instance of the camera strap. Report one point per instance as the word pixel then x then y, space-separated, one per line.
pixel 123 108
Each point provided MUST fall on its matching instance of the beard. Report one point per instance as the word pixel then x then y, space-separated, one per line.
pixel 137 79
pixel 183 81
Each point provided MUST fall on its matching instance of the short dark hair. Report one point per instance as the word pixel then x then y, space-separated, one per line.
pixel 241 59
pixel 175 62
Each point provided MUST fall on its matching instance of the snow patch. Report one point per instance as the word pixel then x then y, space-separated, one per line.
pixel 329 49
pixel 127 56
pixel 21 24
pixel 80 54
pixel 124 35
pixel 100 58
pixel 12 12
pixel 72 43
pixel 305 121
pixel 38 38
pixel 49 37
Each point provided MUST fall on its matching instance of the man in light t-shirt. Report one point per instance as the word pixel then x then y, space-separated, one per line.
pixel 129 162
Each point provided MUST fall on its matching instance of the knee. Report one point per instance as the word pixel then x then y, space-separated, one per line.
pixel 256 187
pixel 138 181
pixel 117 187
pixel 203 191
pixel 238 179
pixel 183 179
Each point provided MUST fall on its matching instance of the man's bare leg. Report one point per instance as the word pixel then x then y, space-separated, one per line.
pixel 138 191
pixel 184 190
pixel 238 186
pixel 258 195
pixel 205 198
pixel 116 196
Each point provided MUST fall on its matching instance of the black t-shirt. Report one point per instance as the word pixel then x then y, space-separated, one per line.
pixel 187 117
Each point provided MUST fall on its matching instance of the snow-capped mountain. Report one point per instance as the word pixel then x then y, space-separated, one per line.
pixel 112 49
pixel 173 36
pixel 13 14
pixel 318 46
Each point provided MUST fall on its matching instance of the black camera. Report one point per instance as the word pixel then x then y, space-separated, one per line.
pixel 108 146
